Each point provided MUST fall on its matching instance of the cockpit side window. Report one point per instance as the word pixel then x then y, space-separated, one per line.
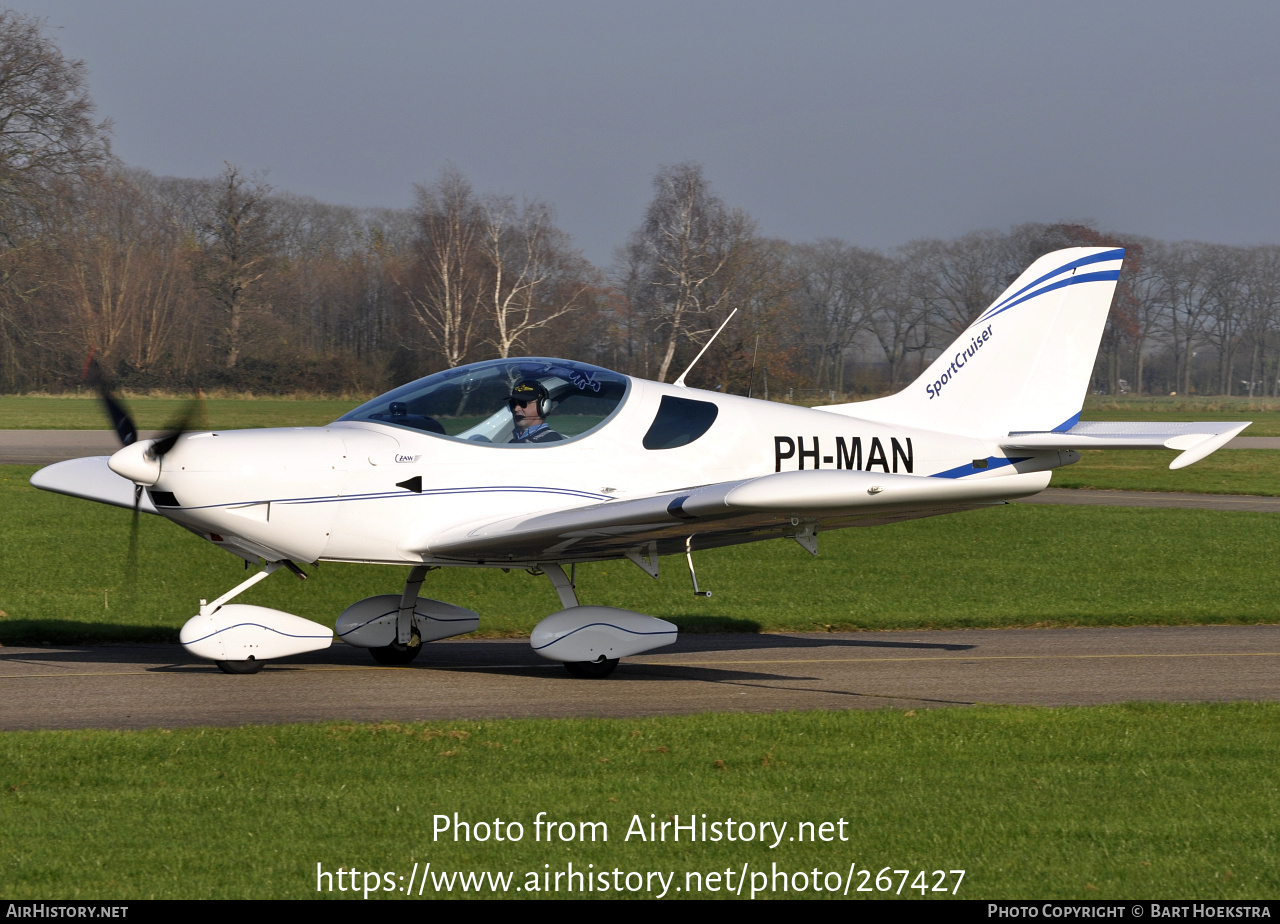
pixel 680 421
pixel 489 402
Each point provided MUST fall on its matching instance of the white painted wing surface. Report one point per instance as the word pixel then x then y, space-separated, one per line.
pixel 1196 440
pixel 90 479
pixel 721 514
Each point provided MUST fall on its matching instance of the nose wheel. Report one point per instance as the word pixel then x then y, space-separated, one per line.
pixel 591 670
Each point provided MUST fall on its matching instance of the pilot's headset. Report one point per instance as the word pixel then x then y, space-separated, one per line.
pixel 529 390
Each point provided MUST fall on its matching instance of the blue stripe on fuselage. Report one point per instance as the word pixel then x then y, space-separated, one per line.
pixel 993 462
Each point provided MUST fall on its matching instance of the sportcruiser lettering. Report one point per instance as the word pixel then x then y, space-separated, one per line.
pixel 957 363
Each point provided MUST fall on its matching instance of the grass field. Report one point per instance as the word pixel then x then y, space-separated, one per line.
pixel 1264 412
pixel 1228 471
pixel 85 412
pixel 1170 801
pixel 65 578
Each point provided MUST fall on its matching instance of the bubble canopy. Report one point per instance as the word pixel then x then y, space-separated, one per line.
pixel 471 403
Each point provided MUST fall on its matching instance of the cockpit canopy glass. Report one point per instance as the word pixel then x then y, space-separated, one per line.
pixel 474 403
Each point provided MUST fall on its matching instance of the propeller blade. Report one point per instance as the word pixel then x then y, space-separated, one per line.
pixel 180 426
pixel 121 422
pixel 124 425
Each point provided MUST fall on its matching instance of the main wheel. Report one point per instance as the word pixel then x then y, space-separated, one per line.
pixel 394 654
pixel 591 670
pixel 251 666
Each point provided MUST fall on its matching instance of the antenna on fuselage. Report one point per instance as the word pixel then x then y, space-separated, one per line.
pixel 680 381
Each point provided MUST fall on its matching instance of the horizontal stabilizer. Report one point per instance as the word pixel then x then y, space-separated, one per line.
pixel 91 479
pixel 1196 440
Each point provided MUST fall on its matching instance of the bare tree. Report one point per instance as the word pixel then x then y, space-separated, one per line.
pixel 117 271
pixel 444 284
pixel 1229 287
pixel 47 126
pixel 535 277
pixel 962 277
pixel 1147 290
pixel 675 262
pixel 840 288
pixel 237 244
pixel 1263 312
pixel 311 229
pixel 769 329
pixel 1188 271
pixel 48 136
pixel 902 323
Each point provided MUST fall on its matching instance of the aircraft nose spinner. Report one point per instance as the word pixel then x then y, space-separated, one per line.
pixel 138 462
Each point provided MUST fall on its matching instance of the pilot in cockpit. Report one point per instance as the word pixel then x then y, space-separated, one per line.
pixel 528 404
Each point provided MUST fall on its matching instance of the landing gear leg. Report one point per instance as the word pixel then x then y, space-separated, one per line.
pixel 408 643
pixel 270 568
pixel 568 594
pixel 563 584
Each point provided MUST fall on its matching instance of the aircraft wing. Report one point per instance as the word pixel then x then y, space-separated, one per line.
pixel 780 504
pixel 90 478
pixel 1196 440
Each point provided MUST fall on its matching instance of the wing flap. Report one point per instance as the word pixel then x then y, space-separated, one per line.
pixel 1195 440
pixel 767 504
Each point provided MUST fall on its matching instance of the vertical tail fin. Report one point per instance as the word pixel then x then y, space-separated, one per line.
pixel 1024 364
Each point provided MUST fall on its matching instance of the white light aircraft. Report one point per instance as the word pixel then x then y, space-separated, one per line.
pixel 608 466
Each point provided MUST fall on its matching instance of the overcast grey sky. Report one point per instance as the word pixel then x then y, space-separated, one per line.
pixel 877 122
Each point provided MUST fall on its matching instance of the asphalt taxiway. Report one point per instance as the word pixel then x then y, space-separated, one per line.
pixel 145 686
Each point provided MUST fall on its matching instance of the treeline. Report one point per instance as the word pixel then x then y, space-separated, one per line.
pixel 179 284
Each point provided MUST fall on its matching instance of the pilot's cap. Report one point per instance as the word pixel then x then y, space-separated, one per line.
pixel 528 390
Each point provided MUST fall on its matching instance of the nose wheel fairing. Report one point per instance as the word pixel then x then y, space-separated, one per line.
pixel 239 635
pixel 241 632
